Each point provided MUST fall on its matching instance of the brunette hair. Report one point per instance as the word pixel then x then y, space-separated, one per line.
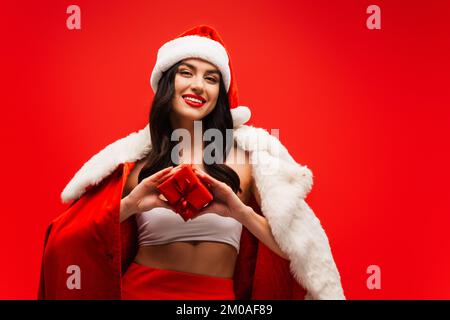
pixel 219 118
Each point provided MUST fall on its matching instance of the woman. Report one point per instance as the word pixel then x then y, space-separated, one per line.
pixel 142 250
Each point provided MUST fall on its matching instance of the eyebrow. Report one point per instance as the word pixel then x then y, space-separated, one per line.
pixel 193 67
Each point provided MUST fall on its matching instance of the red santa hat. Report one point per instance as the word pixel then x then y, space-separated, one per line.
pixel 202 42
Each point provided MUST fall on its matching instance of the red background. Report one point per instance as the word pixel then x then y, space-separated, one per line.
pixel 366 110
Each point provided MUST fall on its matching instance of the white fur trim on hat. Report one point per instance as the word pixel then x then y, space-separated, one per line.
pixel 191 47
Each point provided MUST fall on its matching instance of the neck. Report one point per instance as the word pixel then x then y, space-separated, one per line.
pixel 191 141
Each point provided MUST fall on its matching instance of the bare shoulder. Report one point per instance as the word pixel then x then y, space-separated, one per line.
pixel 239 160
pixel 132 179
pixel 243 166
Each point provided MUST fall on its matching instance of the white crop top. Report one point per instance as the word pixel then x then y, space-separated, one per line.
pixel 161 225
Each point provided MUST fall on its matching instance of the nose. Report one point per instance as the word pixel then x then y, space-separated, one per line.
pixel 197 84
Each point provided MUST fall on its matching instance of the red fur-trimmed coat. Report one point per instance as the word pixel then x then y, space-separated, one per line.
pixel 89 234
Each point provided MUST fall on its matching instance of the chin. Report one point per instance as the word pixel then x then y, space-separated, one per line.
pixel 190 113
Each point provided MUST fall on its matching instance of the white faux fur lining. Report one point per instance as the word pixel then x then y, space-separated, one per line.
pixel 282 183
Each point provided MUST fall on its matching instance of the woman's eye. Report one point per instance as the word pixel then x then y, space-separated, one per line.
pixel 184 72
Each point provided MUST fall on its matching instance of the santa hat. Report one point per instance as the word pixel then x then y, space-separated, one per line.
pixel 202 42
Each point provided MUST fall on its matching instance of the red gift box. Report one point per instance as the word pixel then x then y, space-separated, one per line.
pixel 185 192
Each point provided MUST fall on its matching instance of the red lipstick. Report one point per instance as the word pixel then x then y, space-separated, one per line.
pixel 194 103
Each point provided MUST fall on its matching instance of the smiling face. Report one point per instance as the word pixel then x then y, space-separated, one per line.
pixel 197 84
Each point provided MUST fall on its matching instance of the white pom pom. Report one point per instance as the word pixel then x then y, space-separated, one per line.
pixel 241 115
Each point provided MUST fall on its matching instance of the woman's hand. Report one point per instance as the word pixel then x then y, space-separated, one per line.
pixel 226 203
pixel 145 196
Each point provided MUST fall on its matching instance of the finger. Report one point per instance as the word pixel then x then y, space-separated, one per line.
pixel 158 175
pixel 207 178
pixel 178 168
pixel 165 177
pixel 161 196
pixel 164 204
pixel 208 183
pixel 202 173
pixel 171 173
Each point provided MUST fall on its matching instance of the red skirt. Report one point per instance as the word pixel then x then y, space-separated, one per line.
pixel 147 283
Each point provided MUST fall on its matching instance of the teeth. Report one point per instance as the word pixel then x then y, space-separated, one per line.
pixel 193 99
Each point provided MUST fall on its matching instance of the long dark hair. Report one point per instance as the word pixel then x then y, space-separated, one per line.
pixel 161 130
